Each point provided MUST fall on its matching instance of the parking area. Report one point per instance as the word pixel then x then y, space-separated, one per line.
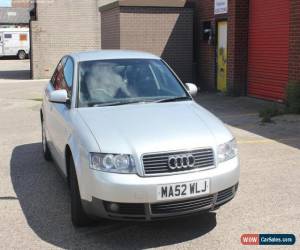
pixel 34 200
pixel 14 69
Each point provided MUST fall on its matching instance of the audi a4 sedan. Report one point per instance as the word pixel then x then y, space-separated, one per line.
pixel 131 142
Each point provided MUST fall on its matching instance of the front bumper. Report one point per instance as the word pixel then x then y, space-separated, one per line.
pixel 158 211
pixel 139 194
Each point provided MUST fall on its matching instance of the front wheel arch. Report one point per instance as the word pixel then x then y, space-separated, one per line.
pixel 68 155
pixel 72 151
pixel 79 217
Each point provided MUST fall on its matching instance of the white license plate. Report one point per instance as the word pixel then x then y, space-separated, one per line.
pixel 183 190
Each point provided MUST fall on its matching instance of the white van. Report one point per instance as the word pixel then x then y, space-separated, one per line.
pixel 14 42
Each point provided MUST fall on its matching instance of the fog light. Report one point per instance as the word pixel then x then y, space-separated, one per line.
pixel 114 207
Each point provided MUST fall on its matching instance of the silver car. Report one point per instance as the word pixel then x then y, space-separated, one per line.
pixel 131 142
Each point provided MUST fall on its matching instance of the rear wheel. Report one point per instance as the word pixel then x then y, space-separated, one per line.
pixel 22 55
pixel 78 215
pixel 46 151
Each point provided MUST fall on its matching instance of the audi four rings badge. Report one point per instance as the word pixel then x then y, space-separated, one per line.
pixel 181 161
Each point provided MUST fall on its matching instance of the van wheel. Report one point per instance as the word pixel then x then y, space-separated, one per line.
pixel 46 150
pixel 21 55
pixel 78 215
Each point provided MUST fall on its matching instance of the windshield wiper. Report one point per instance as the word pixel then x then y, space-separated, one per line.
pixel 101 104
pixel 113 104
pixel 174 99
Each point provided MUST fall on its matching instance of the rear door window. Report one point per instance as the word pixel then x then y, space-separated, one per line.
pixel 57 77
pixel 63 76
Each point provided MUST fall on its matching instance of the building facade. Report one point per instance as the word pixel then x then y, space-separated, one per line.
pixel 241 47
pixel 16 13
pixel 263 46
pixel 160 29
pixel 61 27
pixel 22 3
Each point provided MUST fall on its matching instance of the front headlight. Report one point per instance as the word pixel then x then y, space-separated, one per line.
pixel 113 163
pixel 227 151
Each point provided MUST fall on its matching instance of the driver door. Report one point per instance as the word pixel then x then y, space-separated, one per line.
pixel 58 119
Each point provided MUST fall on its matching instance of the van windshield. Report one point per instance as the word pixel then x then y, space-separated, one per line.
pixel 124 81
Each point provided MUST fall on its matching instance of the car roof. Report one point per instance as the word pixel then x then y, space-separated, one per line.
pixel 14 30
pixel 111 54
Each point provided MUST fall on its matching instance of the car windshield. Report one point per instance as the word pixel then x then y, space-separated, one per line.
pixel 125 81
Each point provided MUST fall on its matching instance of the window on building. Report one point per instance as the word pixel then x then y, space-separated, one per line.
pixel 7 36
pixel 206 30
pixel 23 37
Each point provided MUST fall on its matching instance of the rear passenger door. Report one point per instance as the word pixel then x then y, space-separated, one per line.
pixel 11 43
pixel 1 44
pixel 8 47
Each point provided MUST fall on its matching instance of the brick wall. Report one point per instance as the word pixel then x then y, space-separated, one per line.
pixel 294 47
pixel 205 51
pixel 22 3
pixel 237 18
pixel 62 27
pixel 166 32
pixel 110 29
pixel 238 24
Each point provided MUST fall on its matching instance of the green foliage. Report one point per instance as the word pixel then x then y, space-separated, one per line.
pixel 293 97
pixel 268 113
pixel 292 104
pixel 36 99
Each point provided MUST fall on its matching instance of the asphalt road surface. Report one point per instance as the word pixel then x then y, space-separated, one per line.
pixel 35 204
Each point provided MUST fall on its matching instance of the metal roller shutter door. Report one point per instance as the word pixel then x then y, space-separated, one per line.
pixel 268 48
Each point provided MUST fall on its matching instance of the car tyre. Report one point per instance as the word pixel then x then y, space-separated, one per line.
pixel 46 150
pixel 78 215
pixel 21 55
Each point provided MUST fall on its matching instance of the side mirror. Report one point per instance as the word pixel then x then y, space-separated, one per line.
pixel 192 88
pixel 58 96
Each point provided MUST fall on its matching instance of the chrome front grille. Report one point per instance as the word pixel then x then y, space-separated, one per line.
pixel 158 163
